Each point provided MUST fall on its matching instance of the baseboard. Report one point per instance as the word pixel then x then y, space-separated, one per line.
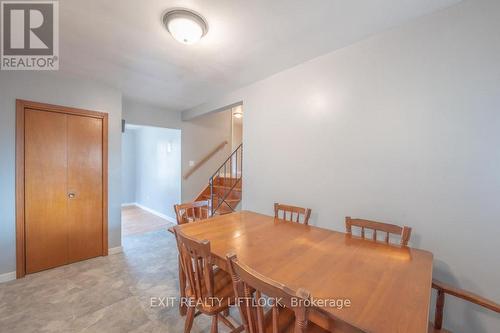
pixel 129 204
pixel 6 277
pixel 152 211
pixel 115 250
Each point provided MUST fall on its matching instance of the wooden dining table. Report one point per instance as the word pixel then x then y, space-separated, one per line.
pixel 388 287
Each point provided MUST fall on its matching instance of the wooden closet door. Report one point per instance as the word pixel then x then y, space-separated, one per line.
pixel 85 162
pixel 45 202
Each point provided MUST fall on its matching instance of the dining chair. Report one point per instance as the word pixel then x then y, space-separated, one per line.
pixel 385 228
pixel 291 211
pixel 209 290
pixel 192 211
pixel 442 289
pixel 185 213
pixel 287 310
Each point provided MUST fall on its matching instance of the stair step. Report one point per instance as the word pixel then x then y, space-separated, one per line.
pixel 222 210
pixel 232 203
pixel 228 183
pixel 225 184
pixel 207 197
pixel 222 192
pixel 236 188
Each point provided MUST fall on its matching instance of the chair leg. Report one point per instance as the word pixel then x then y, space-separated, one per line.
pixel 225 320
pixel 182 288
pixel 189 319
pixel 239 329
pixel 215 326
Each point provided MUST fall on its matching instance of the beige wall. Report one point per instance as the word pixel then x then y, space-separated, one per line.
pixel 237 136
pixel 237 133
pixel 199 136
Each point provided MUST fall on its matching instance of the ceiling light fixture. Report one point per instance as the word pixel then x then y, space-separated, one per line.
pixel 238 114
pixel 185 25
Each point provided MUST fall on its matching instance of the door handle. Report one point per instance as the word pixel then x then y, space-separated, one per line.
pixel 71 195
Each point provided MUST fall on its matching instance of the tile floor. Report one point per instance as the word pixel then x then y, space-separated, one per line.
pixel 105 294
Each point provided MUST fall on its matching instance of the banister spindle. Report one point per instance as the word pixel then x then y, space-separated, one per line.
pixel 226 186
pixel 211 206
pixel 236 167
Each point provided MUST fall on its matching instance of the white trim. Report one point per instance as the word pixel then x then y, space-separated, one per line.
pixel 6 277
pixel 115 250
pixel 129 204
pixel 152 211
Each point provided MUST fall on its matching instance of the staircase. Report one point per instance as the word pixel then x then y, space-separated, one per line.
pixel 225 186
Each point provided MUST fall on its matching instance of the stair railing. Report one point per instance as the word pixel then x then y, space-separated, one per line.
pixel 233 164
pixel 205 159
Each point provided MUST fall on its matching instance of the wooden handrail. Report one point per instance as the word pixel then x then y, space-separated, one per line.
pixel 205 159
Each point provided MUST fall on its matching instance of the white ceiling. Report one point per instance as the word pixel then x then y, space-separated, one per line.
pixel 122 42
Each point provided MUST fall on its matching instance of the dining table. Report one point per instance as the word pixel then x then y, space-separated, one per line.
pixel 371 285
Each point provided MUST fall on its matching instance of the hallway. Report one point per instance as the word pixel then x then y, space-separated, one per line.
pixel 136 220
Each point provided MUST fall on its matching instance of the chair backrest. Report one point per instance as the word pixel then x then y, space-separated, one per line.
pixel 250 287
pixel 385 228
pixel 192 211
pixel 443 288
pixel 292 213
pixel 197 264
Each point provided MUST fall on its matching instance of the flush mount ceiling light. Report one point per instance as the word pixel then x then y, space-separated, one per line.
pixel 238 114
pixel 185 25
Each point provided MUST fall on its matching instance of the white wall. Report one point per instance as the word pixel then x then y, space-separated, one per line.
pixel 129 166
pixel 138 113
pixel 158 169
pixel 403 127
pixel 53 88
pixel 199 137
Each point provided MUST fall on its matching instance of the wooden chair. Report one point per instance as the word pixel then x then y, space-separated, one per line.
pixel 375 227
pixel 185 213
pixel 209 289
pixel 289 311
pixel 192 211
pixel 291 210
pixel 442 289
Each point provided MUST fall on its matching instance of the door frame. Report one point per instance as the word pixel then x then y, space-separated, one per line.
pixel 21 106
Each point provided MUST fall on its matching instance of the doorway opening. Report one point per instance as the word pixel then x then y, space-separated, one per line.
pixel 151 178
pixel 236 142
pixel 236 126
